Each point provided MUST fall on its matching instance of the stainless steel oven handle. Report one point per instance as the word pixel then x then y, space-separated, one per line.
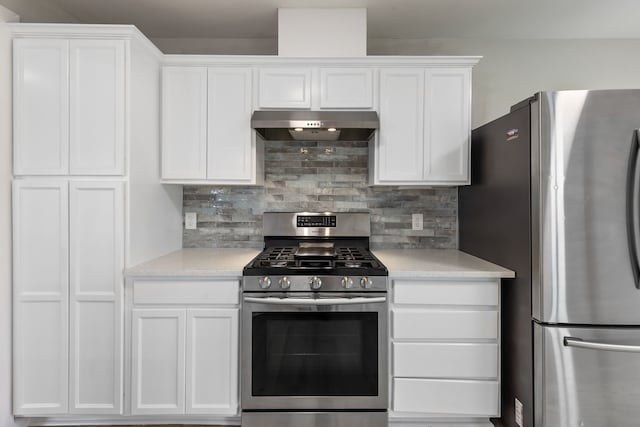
pixel 312 301
pixel 591 345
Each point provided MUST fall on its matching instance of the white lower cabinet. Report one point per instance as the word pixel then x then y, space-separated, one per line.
pixel 446 397
pixel 40 297
pixel 212 361
pixel 445 337
pixel 68 261
pixel 96 260
pixel 184 356
pixel 158 376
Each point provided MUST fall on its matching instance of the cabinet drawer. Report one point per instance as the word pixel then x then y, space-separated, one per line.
pixel 478 398
pixel 409 323
pixel 186 292
pixel 446 292
pixel 445 360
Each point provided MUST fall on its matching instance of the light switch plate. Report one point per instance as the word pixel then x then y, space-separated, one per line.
pixel 190 220
pixel 416 221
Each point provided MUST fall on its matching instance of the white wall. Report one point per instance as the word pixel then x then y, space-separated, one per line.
pixel 205 46
pixel 39 11
pixel 6 419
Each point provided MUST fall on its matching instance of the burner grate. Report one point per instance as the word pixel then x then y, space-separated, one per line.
pixel 284 257
pixel 352 254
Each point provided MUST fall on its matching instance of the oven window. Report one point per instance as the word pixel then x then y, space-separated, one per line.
pixel 315 354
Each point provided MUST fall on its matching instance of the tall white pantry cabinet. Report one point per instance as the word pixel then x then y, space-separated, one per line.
pixel 86 204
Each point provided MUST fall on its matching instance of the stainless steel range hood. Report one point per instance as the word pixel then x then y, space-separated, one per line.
pixel 315 125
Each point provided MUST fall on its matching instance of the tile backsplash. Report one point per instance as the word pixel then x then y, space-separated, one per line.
pixel 320 176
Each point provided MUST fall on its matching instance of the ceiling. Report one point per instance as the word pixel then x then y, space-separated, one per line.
pixel 386 19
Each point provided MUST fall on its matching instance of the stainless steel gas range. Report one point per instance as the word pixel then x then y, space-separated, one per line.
pixel 314 325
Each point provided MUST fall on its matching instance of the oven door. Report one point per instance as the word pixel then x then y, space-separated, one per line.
pixel 307 351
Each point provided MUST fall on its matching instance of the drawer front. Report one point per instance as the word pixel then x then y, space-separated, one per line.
pixel 409 323
pixel 445 360
pixel 186 292
pixel 469 398
pixel 446 292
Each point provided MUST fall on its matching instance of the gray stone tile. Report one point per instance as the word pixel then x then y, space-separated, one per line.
pixel 314 176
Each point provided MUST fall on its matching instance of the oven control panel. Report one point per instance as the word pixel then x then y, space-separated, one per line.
pixel 311 221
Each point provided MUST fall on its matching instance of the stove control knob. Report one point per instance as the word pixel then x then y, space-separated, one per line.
pixel 347 282
pixel 315 282
pixel 264 282
pixel 366 283
pixel 285 283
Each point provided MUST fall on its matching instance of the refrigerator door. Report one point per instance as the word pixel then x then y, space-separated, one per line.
pixel 586 270
pixel 586 377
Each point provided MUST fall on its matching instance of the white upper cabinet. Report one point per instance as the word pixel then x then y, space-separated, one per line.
pixel 424 106
pixel 284 87
pixel 97 100
pixel 448 125
pixel 400 147
pixel 425 127
pixel 184 123
pixel 206 126
pixel 317 87
pixel 69 107
pixel 41 107
pixel 346 88
pixel 230 139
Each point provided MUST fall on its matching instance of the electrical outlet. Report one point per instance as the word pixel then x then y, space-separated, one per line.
pixel 190 220
pixel 416 221
pixel 518 412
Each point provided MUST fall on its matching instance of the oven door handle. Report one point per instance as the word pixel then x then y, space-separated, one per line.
pixel 315 302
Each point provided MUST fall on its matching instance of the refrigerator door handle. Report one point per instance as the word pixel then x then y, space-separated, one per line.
pixel 592 345
pixel 633 206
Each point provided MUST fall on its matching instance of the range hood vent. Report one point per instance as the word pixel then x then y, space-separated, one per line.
pixel 315 125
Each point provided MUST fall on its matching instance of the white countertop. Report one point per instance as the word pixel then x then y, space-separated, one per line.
pixel 199 262
pixel 444 263
pixel 414 263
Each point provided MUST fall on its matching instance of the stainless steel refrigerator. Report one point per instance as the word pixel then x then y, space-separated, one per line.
pixel 555 196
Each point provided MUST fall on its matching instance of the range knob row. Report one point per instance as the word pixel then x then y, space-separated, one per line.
pixel 315 282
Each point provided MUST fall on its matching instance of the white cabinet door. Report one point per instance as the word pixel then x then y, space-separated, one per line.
pixel 346 88
pixel 40 297
pixel 184 123
pixel 97 99
pixel 158 342
pixel 212 361
pixel 284 88
pixel 41 107
pixel 450 397
pixel 447 125
pixel 399 144
pixel 231 141
pixel 96 217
